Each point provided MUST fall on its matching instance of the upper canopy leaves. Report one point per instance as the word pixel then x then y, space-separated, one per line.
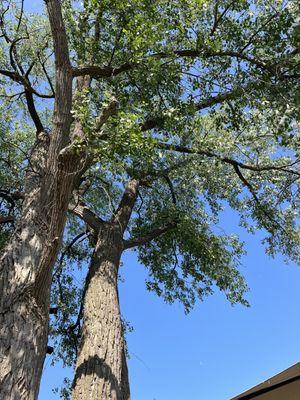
pixel 205 113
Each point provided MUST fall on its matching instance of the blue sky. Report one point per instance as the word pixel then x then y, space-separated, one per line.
pixel 217 351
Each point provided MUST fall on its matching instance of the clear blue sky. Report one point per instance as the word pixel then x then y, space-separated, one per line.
pixel 218 350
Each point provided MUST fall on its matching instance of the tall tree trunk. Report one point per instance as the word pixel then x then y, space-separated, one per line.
pixel 25 275
pixel 101 369
pixel 28 259
pixel 23 323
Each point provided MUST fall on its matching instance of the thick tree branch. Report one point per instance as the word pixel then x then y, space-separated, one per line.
pixel 63 89
pixel 153 234
pixel 95 71
pixel 23 78
pixel 106 112
pixel 81 210
pixel 220 98
pixel 122 215
pixel 107 71
pixel 83 82
pixel 171 187
pixel 33 113
pixel 201 105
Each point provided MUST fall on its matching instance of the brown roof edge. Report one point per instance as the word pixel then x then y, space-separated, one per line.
pixel 269 389
pixel 283 378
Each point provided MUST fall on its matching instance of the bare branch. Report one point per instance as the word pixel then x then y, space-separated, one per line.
pixel 208 53
pixel 107 71
pixel 21 15
pixel 53 310
pixel 210 154
pixel 246 183
pixel 16 77
pixel 22 78
pixel 47 75
pixel 10 199
pixel 252 37
pixel 30 69
pixel 218 18
pixel 11 196
pixel 215 23
pixel 58 271
pixel 237 168
pixel 13 54
pixel 153 234
pixel 115 45
pixel 11 96
pixel 67 250
pixel 258 202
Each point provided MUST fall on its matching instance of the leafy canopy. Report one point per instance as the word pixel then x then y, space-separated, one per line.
pixel 207 116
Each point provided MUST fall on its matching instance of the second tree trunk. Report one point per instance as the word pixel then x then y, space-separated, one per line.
pixel 101 369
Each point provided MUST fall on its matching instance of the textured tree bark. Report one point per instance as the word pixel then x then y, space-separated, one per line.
pixel 25 275
pixel 28 259
pixel 101 369
pixel 22 320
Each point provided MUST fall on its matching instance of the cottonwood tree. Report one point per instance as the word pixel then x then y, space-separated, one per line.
pixel 194 103
pixel 183 158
